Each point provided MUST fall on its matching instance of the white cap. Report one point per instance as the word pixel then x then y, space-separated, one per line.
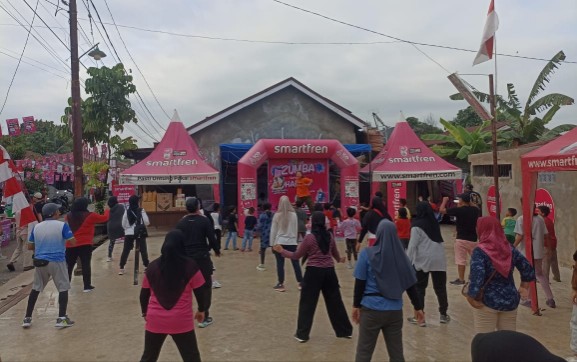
pixel 37 195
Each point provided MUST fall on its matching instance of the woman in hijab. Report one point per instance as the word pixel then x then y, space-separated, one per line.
pixel 82 222
pixel 166 300
pixel 382 274
pixel 492 265
pixel 370 222
pixel 284 232
pixel 509 346
pixel 114 225
pixel 133 215
pixel 319 249
pixel 427 254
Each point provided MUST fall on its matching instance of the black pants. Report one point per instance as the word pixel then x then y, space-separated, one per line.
pixel 129 241
pixel 83 252
pixel 206 267
pixel 218 235
pixel 186 343
pixel 351 248
pixel 317 280
pixel 439 285
pixel 390 322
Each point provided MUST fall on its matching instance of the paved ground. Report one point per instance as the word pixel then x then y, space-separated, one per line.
pixel 252 322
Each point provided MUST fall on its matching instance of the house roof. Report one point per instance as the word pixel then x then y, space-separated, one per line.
pixel 289 82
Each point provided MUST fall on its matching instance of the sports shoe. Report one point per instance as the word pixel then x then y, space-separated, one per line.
pixel 216 284
pixel 414 320
pixel 109 259
pixel 27 322
pixel 557 279
pixel 88 289
pixel 279 287
pixel 349 266
pixel 551 303
pixel 121 271
pixel 64 322
pixel 260 267
pixel 571 359
pixel 10 267
pixel 207 322
pixel 526 303
pixel 445 318
pixel 457 282
pixel 300 287
pixel 300 340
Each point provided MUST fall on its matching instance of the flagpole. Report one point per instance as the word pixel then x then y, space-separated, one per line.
pixel 493 92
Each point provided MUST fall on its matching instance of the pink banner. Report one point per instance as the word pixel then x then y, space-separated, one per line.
pixel 544 198
pixel 29 124
pixel 492 201
pixel 282 179
pixel 396 190
pixel 123 192
pixel 13 127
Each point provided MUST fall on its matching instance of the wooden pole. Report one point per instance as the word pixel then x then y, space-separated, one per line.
pixel 494 146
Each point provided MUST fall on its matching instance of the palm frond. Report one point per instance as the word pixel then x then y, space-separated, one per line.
pixel 513 99
pixel 544 77
pixel 557 131
pixel 437 137
pixel 550 114
pixel 548 101
pixel 444 151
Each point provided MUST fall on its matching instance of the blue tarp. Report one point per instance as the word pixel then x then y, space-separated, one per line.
pixel 232 152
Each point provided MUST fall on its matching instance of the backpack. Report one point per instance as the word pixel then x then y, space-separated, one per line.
pixel 140 231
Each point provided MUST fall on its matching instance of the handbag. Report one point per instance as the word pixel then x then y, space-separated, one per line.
pixel 38 263
pixel 139 229
pixel 481 294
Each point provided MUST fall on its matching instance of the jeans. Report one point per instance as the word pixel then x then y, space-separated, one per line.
pixel 439 285
pixel 185 342
pixel 84 252
pixel 111 247
pixel 247 239
pixel 231 236
pixel 280 265
pixel 390 322
pixel 128 245
pixel 351 248
pixel 315 281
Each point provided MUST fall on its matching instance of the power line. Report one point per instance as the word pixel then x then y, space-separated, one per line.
pixel 137 67
pixel 34 65
pixel 20 59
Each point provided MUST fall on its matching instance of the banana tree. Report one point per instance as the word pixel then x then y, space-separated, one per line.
pixel 525 124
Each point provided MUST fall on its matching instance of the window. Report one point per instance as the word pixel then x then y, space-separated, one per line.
pixel 487 171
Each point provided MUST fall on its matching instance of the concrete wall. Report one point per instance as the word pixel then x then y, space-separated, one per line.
pixel 286 114
pixel 561 185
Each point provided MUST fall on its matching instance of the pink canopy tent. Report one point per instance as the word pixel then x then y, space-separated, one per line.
pixel 406 158
pixel 174 161
pixel 557 155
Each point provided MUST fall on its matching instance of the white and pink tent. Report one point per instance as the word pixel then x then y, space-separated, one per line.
pixel 174 161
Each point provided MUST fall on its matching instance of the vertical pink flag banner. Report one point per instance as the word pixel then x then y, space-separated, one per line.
pixel 544 198
pixel 13 127
pixel 123 192
pixel 282 179
pixel 492 201
pixel 396 190
pixel 29 124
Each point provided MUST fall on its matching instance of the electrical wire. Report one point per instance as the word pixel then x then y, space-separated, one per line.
pixel 20 59
pixel 34 65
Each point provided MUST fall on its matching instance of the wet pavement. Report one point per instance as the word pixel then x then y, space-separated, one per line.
pixel 251 321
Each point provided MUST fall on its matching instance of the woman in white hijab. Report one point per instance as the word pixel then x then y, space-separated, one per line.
pixel 284 232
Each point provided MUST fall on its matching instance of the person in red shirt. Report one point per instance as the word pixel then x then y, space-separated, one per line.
pixel 550 262
pixel 82 222
pixel 403 225
pixel 302 189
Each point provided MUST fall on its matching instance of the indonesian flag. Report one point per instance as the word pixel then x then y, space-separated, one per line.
pixel 13 189
pixel 491 25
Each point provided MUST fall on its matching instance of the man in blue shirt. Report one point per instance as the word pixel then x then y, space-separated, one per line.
pixel 48 240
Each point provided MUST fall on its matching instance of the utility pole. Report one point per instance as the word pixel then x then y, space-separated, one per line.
pixel 494 141
pixel 76 114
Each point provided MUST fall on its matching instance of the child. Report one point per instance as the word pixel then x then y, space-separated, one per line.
pixel 264 225
pixel 232 229
pixel 350 228
pixel 403 203
pixel 403 225
pixel 249 224
pixel 509 223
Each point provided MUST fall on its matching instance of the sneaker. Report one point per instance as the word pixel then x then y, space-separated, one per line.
pixel 414 320
pixel 457 282
pixel 10 267
pixel 242 250
pixel 445 318
pixel 279 287
pixel 349 266
pixel 64 322
pixel 225 248
pixel 207 322
pixel 300 287
pixel 260 267
pixel 27 322
pixel 88 289
pixel 216 284
pixel 109 259
pixel 3 257
pixel 557 279
pixel 300 340
pixel 526 303
pixel 249 249
pixel 121 271
pixel 571 359
pixel 551 303
pixel 26 268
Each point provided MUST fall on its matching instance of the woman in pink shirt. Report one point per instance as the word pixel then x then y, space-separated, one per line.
pixel 166 300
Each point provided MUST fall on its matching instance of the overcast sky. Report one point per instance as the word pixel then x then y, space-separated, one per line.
pixel 200 77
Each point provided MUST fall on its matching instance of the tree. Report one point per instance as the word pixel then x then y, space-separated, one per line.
pixel 525 125
pixel 467 117
pixel 422 127
pixel 48 138
pixel 460 143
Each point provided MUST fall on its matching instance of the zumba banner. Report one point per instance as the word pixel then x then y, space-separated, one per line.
pixel 282 179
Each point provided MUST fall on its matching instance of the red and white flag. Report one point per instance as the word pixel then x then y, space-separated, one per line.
pixel 491 25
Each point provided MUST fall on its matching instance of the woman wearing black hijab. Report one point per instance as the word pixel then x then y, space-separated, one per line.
pixel 114 225
pixel 427 254
pixel 319 249
pixel 382 274
pixel 166 300
pixel 370 222
pixel 133 215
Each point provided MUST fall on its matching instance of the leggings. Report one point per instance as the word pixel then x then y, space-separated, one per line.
pixel 186 343
pixel 84 252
